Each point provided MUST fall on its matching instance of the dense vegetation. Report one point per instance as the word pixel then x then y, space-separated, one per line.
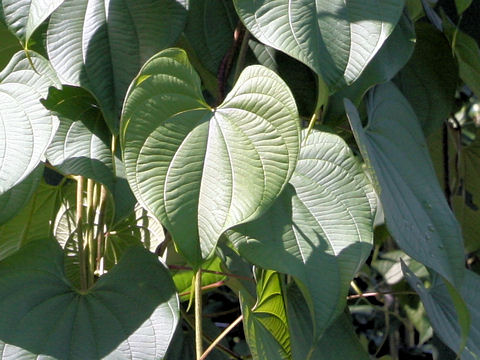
pixel 307 169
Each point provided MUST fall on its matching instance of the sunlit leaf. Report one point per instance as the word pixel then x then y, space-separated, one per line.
pixel 202 170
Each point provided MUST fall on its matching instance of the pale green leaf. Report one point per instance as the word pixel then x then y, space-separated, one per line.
pixel 26 127
pixel 319 230
pixel 12 201
pixel 23 16
pixel 265 324
pixel 443 313
pixel 202 170
pixel 100 45
pixel 130 313
pixel 336 39
pixel 430 92
pixel 33 222
pixel 416 211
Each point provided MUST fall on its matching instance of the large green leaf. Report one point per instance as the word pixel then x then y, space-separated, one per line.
pixel 33 222
pixel 416 211
pixel 23 16
pixel 8 47
pixel 12 201
pixel 443 314
pixel 319 230
pixel 335 38
pixel 130 313
pixel 430 92
pixel 26 127
pixel 101 45
pixel 202 170
pixel 338 342
pixel 265 324
pixel 392 57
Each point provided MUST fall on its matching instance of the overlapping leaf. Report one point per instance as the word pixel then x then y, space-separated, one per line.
pixel 130 313
pixel 26 127
pixel 416 211
pixel 337 39
pixel 101 45
pixel 24 16
pixel 202 170
pixel 443 315
pixel 319 230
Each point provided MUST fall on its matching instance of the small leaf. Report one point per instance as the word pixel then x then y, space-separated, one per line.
pixel 416 211
pixel 265 324
pixel 319 230
pixel 202 170
pixel 462 5
pixel 100 45
pixel 27 127
pixel 130 313
pixel 24 16
pixel 336 39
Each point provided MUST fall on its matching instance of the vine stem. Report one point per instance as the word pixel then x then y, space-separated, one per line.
pixel 180 267
pixel 220 337
pixel 78 223
pixel 198 314
pixel 371 294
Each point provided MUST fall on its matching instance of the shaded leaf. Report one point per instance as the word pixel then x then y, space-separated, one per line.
pixel 338 342
pixel 12 201
pixel 33 222
pixel 8 47
pixel 443 314
pixel 320 228
pixel 416 211
pixel 130 313
pixel 336 39
pixel 101 45
pixel 27 127
pixel 430 92
pixel 202 170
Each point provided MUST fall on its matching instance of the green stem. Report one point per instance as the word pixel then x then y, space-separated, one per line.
pixel 220 337
pixel 321 106
pixel 79 228
pixel 100 236
pixel 198 314
pixel 181 267
pixel 89 230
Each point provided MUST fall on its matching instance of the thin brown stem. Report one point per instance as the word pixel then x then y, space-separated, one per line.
pixel 206 287
pixel 372 294
pixel 79 229
pixel 220 337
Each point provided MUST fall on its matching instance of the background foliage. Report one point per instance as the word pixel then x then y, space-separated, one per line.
pixel 308 169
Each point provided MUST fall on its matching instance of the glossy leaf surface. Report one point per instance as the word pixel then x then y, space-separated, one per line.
pixel 336 39
pixel 130 313
pixel 202 170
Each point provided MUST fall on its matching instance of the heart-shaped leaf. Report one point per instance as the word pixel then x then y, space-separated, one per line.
pixel 319 230
pixel 101 45
pixel 202 170
pixel 24 16
pixel 335 38
pixel 130 313
pixel 416 211
pixel 26 126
